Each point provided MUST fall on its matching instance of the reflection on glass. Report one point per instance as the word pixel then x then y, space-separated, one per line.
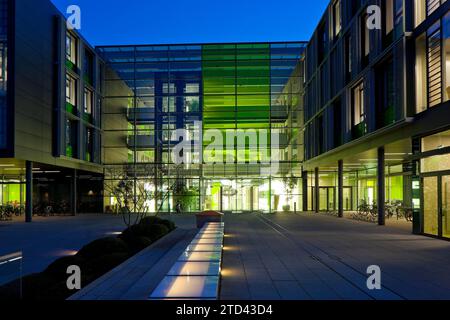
pixel 446 206
pixel 430 205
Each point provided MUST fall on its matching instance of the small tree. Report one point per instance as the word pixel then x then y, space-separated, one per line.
pixel 290 182
pixel 130 192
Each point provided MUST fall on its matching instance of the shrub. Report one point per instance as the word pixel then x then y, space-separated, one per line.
pixel 156 231
pixel 35 284
pixel 169 224
pixel 156 220
pixel 102 247
pixel 150 220
pixel 59 291
pixel 58 268
pixel 134 231
pixel 101 265
pixel 151 231
pixel 137 243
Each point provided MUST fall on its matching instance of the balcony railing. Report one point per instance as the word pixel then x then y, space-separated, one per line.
pixel 141 141
pixel 71 66
pixel 69 151
pixel 359 130
pixel 70 108
pixel 141 114
pixel 88 117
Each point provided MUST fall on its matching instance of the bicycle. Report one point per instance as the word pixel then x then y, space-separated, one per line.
pixel 405 213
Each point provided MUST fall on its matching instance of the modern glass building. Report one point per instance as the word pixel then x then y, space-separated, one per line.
pixel 240 89
pixel 3 71
pixel 377 112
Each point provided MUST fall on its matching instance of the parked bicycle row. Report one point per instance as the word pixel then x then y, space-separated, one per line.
pixel 393 210
pixel 12 209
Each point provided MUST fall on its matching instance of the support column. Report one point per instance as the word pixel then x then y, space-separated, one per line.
pixel 316 190
pixel 270 194
pixel 74 193
pixel 341 188
pixel 381 187
pixel 29 191
pixel 305 190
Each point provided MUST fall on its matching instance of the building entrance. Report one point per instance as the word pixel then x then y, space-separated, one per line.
pixel 436 205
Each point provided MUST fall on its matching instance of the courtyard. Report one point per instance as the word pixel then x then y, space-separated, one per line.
pixel 266 257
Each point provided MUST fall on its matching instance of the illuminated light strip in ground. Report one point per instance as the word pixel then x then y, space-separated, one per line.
pixel 196 274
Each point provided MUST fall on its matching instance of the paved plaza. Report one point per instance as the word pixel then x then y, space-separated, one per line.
pixel 282 256
pixel 309 256
pixel 49 238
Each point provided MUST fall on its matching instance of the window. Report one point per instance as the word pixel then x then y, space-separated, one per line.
pixel 432 5
pixel 320 135
pixel 388 16
pixel 348 58
pixel 169 88
pixel 424 8
pixel 337 17
pixel 71 48
pixel 89 143
pixel 421 74
pixel 3 66
pixel 437 141
pixel 434 65
pixel 88 67
pixel 354 6
pixel 365 41
pixel 145 129
pixel 3 17
pixel 446 53
pixel 167 131
pixel 385 97
pixel 71 90
pixel 359 112
pixel 192 88
pixel 88 101
pixel 322 39
pixel 191 104
pixel 419 12
pixel 71 138
pixel 337 117
pixel 145 156
pixel 168 104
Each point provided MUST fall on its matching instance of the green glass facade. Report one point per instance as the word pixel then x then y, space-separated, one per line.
pixel 231 89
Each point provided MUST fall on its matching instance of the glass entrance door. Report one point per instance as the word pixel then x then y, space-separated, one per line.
pixel 327 199
pixel 348 199
pixel 445 205
pixel 430 206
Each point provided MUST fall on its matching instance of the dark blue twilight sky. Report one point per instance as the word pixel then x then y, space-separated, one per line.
pixel 196 21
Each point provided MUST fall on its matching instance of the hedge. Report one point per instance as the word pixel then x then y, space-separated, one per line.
pixel 95 259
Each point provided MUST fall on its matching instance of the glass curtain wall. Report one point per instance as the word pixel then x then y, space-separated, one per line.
pixel 233 90
pixel 3 71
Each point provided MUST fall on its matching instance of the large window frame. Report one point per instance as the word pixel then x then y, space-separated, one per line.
pixel 337 18
pixel 71 48
pixel 71 90
pixel 3 66
pixel 88 101
pixel 365 40
pixel 359 116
